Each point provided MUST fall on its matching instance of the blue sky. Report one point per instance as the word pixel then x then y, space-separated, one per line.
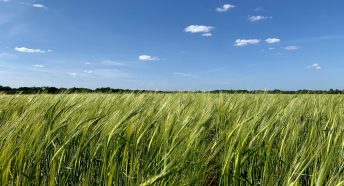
pixel 173 44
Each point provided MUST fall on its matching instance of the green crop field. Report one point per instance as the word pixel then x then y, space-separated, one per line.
pixel 171 139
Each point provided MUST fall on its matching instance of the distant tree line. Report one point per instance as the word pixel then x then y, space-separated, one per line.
pixel 54 90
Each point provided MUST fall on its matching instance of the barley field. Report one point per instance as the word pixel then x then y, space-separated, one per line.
pixel 171 139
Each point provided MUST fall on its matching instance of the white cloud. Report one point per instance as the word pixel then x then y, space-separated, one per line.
pixel 225 8
pixel 87 63
pixel 207 34
pixel 88 71
pixel 148 58
pixel 39 66
pixel 315 66
pixel 5 1
pixel 198 29
pixel 245 42
pixel 36 5
pixel 49 50
pixel 257 18
pixel 272 40
pixel 291 48
pixel 28 50
pixel 272 48
pixel 72 74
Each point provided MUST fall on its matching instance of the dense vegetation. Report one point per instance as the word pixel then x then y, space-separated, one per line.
pixel 54 90
pixel 171 139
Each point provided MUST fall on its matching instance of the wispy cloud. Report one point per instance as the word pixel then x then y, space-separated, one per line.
pixel 148 58
pixel 37 5
pixel 28 50
pixel 291 47
pixel 72 74
pixel 199 29
pixel 38 66
pixel 114 63
pixel 88 71
pixel 257 18
pixel 315 66
pixel 245 42
pixel 207 34
pixel 5 1
pixel 225 8
pixel 272 40
pixel 109 64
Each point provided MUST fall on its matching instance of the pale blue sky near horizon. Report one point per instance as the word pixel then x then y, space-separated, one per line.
pixel 173 44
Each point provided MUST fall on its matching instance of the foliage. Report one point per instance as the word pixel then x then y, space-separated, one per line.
pixel 54 90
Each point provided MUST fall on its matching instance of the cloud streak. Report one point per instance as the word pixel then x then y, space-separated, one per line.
pixel 38 66
pixel 225 8
pixel 257 18
pixel 207 35
pixel 28 50
pixel 272 40
pixel 113 63
pixel 74 74
pixel 88 71
pixel 315 66
pixel 245 42
pixel 36 5
pixel 148 58
pixel 291 48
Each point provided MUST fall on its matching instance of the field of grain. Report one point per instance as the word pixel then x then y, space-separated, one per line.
pixel 171 139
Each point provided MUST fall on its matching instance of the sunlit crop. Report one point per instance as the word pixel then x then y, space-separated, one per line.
pixel 171 139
